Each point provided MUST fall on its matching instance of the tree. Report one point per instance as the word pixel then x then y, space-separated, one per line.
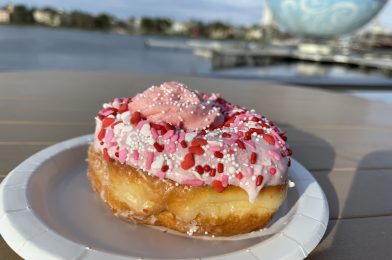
pixel 22 15
pixel 102 22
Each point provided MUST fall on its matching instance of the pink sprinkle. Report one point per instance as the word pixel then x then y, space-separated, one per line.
pixel 240 134
pixel 171 147
pixel 251 145
pixel 168 134
pixel 234 136
pixel 174 138
pixel 225 180
pixel 248 171
pixel 274 155
pixel 241 127
pixel 122 155
pixel 161 175
pixel 215 148
pixel 141 124
pixel 107 111
pixel 272 170
pixel 193 182
pixel 109 135
pixel 150 159
pixel 154 133
pixel 135 155
pixel 241 116
pixel 182 137
pixel 229 141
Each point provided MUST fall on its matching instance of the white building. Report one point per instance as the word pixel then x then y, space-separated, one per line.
pixel 178 28
pixel 5 16
pixel 47 18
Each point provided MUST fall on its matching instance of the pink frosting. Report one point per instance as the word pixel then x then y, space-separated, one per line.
pixel 174 102
pixel 214 141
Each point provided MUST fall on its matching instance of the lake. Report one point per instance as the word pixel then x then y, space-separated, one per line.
pixel 38 48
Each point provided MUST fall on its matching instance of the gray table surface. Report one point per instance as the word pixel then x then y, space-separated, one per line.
pixel 344 141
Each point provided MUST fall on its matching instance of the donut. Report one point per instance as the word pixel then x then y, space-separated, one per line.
pixel 189 161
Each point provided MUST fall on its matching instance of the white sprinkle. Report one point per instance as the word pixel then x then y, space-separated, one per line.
pixel 158 162
pixel 189 136
pixel 145 130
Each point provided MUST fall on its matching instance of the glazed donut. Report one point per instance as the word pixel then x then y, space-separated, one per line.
pixel 191 162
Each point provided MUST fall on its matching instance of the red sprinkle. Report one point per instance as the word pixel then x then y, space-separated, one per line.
pixel 199 169
pixel 239 175
pixel 106 155
pixel 123 107
pixel 220 167
pixel 188 162
pixel 159 147
pixel 259 180
pixel 183 144
pixel 107 122
pixel 145 210
pixel 156 126
pixel 199 142
pixel 253 158
pixel 240 144
pixel 163 131
pixel 272 170
pixel 169 127
pixel 218 154
pixel 101 134
pixel 257 130
pixel 218 186
pixel 196 150
pixel 203 132
pixel 289 163
pixel 289 152
pixel 136 117
pixel 229 121
pixel 207 168
pixel 165 168
pixel 212 172
pixel 248 135
pixel 226 135
pixel 269 138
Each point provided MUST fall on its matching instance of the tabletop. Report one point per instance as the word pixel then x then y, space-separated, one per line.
pixel 344 141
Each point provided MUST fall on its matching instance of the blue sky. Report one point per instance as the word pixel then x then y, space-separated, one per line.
pixel 233 11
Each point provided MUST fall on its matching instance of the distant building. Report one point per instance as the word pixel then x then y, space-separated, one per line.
pixel 269 28
pixel 5 13
pixel 254 33
pixel 5 16
pixel 48 17
pixel 178 28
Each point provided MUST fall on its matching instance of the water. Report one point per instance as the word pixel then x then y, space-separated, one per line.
pixel 37 48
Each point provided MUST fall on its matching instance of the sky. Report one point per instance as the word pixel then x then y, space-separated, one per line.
pixel 239 12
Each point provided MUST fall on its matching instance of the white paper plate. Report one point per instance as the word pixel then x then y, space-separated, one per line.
pixel 49 211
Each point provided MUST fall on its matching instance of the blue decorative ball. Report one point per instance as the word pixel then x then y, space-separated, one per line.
pixel 323 18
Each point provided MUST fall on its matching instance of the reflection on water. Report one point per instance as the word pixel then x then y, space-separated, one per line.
pixel 304 70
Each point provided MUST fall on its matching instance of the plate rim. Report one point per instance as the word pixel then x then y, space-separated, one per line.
pixel 29 241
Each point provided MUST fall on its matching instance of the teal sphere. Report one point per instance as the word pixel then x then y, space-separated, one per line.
pixel 323 18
